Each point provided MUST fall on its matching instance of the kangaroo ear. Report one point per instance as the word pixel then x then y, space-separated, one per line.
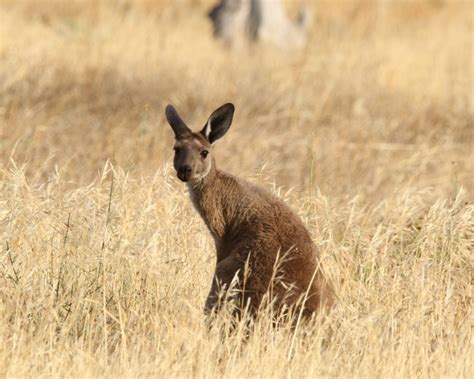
pixel 218 123
pixel 177 124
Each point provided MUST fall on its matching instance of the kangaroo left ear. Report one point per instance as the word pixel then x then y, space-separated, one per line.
pixel 219 123
pixel 176 122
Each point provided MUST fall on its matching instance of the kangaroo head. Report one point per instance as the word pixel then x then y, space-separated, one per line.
pixel 193 152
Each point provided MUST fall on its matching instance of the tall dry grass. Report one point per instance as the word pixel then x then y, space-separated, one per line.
pixel 367 133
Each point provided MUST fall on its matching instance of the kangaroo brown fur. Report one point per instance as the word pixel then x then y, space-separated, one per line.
pixel 251 227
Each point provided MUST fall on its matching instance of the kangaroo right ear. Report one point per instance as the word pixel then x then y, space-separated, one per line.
pixel 219 122
pixel 177 124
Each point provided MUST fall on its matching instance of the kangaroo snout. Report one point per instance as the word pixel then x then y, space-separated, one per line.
pixel 184 173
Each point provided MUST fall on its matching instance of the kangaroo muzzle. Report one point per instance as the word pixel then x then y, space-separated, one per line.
pixel 184 173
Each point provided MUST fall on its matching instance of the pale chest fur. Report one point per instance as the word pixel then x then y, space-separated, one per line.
pixel 193 198
pixel 206 204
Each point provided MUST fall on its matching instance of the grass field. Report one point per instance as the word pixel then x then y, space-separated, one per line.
pixel 367 133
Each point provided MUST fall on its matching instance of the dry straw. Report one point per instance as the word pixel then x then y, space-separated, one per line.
pixel 366 133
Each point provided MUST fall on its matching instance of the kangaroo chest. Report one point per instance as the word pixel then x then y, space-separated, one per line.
pixel 210 210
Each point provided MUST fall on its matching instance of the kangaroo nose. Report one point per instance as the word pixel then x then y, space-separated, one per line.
pixel 187 169
pixel 184 173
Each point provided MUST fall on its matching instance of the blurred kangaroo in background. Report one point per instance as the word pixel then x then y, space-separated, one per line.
pixel 250 226
pixel 258 20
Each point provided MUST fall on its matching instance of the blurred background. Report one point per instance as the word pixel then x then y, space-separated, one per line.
pixel 377 100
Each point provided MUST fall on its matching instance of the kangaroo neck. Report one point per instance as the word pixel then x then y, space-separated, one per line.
pixel 207 196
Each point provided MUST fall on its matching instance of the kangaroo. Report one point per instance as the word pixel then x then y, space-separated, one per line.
pixel 251 227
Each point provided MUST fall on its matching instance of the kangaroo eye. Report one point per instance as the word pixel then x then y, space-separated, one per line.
pixel 204 153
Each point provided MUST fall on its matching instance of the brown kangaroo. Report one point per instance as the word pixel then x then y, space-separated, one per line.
pixel 250 226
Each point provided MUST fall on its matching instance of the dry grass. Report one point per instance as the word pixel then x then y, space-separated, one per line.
pixel 104 265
